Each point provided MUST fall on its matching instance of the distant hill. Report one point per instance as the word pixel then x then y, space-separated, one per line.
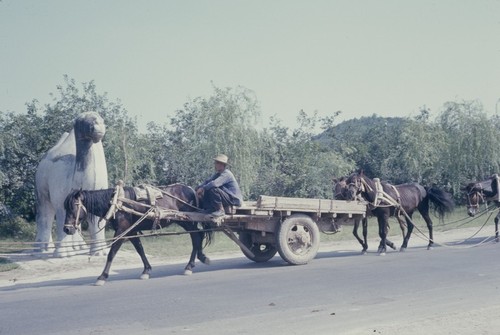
pixel 354 130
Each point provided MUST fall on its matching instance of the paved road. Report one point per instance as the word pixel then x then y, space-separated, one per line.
pixel 443 291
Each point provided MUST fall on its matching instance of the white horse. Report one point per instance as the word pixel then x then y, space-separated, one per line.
pixel 76 162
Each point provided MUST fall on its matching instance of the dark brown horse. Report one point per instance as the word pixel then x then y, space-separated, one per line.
pixel 483 191
pixel 408 197
pixel 175 197
pixel 340 192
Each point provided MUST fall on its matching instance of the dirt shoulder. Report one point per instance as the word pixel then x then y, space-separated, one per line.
pixel 35 268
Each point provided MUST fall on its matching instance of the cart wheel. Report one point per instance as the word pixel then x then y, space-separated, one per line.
pixel 262 251
pixel 297 239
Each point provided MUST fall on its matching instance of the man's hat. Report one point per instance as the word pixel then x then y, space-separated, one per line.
pixel 221 159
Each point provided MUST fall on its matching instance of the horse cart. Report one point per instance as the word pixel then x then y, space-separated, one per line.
pixel 289 226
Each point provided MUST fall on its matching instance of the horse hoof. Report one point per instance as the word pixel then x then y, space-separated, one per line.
pixel 430 248
pixel 497 240
pixel 402 249
pixel 144 276
pixel 188 272
pixel 382 254
pixel 100 282
pixel 207 261
pixel 363 252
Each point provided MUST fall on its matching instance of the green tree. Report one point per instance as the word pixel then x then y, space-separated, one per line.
pixel 294 164
pixel 21 147
pixel 472 140
pixel 24 138
pixel 416 152
pixel 222 123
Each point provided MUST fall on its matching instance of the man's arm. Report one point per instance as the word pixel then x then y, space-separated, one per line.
pixel 222 179
pixel 202 185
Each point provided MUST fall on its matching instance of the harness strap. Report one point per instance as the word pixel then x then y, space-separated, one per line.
pixel 116 204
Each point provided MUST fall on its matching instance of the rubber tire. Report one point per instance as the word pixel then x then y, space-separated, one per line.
pixel 282 239
pixel 260 256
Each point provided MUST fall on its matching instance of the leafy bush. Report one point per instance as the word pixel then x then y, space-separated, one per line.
pixel 18 228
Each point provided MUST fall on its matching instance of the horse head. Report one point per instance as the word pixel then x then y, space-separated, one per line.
pixel 340 188
pixel 89 126
pixel 355 185
pixel 475 195
pixel 75 212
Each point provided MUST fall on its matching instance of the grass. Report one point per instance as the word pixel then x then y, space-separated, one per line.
pixel 180 245
pixel 6 265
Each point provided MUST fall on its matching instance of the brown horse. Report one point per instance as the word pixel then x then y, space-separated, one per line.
pixel 410 197
pixel 340 192
pixel 179 197
pixel 483 191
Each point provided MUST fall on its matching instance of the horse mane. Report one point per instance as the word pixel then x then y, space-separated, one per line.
pixel 97 202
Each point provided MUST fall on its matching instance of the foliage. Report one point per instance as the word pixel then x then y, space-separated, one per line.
pixel 295 165
pixel 18 228
pixel 24 138
pixel 7 265
pixel 20 150
pixel 222 123
pixel 472 142
pixel 457 146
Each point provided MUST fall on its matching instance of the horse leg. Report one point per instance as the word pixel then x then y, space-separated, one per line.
pixel 188 270
pixel 112 252
pixel 136 242
pixel 98 246
pixel 497 218
pixel 409 225
pixel 428 221
pixel 382 231
pixel 197 252
pixel 355 233
pixel 64 243
pixel 388 242
pixel 365 234
pixel 201 256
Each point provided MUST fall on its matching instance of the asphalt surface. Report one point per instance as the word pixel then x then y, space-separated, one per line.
pixel 340 292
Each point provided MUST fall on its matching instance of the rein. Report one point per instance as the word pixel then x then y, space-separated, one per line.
pixel 180 200
pixel 81 207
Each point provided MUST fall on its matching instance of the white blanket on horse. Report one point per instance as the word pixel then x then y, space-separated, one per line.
pixel 148 193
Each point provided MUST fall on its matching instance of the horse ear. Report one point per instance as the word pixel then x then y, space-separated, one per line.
pixel 79 193
pixel 361 172
pixel 335 180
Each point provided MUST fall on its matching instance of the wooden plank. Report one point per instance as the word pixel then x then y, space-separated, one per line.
pixel 310 205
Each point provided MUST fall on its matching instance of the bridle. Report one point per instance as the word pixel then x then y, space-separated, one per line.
pixel 359 184
pixel 480 197
pixel 80 207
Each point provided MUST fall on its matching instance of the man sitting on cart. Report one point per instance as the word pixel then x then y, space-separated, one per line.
pixel 221 190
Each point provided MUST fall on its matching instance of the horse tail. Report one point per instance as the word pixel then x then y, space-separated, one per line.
pixel 442 201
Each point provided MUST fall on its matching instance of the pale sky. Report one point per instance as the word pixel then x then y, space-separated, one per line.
pixel 357 56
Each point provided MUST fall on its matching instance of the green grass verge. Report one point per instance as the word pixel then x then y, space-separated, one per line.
pixel 180 245
pixel 6 265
